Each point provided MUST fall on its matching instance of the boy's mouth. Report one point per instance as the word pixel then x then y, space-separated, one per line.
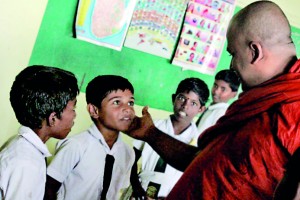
pixel 126 119
pixel 182 114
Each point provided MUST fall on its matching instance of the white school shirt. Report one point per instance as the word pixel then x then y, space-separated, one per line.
pixel 23 167
pixel 79 165
pixel 149 158
pixel 211 116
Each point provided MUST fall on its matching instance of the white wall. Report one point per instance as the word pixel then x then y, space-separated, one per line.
pixel 20 21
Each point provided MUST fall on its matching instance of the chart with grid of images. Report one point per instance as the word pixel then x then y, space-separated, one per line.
pixel 203 35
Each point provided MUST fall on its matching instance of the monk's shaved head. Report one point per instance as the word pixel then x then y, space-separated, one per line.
pixel 262 21
pixel 259 40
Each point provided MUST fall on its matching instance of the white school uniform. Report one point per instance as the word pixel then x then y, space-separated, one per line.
pixel 149 158
pixel 211 116
pixel 79 165
pixel 23 167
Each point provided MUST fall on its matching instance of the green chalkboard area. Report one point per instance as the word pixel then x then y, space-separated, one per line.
pixel 153 77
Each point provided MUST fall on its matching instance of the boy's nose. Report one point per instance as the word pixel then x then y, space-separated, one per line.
pixel 217 91
pixel 185 103
pixel 127 108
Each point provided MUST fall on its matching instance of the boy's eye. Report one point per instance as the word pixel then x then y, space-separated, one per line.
pixel 131 103
pixel 194 104
pixel 180 97
pixel 117 102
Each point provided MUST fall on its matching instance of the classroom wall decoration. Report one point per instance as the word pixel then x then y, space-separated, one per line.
pixel 203 35
pixel 104 22
pixel 155 26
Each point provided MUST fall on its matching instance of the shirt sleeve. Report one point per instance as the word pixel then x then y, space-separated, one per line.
pixel 67 155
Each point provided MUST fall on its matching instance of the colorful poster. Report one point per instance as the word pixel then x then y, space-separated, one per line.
pixel 203 35
pixel 155 26
pixel 104 22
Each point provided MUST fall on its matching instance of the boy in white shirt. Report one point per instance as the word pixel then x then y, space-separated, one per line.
pixel 225 87
pixel 80 168
pixel 43 99
pixel 156 177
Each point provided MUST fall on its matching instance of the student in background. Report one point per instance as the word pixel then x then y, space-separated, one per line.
pixel 245 154
pixel 225 87
pixel 96 163
pixel 43 99
pixel 157 178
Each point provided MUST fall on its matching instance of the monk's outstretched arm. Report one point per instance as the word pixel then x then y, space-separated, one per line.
pixel 174 152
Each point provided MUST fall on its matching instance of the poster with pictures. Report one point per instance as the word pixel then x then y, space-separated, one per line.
pixel 203 35
pixel 155 26
pixel 104 22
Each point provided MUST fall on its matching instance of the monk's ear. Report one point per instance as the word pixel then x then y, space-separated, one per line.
pixel 256 51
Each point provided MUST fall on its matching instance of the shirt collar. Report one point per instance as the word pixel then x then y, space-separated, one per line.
pixel 34 139
pixel 94 131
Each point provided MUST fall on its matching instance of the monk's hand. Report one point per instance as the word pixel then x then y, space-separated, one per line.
pixel 141 127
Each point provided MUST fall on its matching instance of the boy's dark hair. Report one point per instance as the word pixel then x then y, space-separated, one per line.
pixel 195 85
pixel 229 76
pixel 38 90
pixel 98 88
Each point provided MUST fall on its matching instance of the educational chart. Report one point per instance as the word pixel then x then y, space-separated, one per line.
pixel 104 22
pixel 203 35
pixel 155 26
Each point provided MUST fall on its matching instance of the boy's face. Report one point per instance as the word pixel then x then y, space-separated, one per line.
pixel 64 125
pixel 117 111
pixel 186 106
pixel 221 92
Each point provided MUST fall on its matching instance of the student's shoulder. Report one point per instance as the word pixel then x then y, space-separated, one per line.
pixel 19 152
pixel 17 147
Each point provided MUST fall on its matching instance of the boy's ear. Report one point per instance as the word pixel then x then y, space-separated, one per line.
pixel 173 98
pixel 93 110
pixel 234 94
pixel 202 109
pixel 52 119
